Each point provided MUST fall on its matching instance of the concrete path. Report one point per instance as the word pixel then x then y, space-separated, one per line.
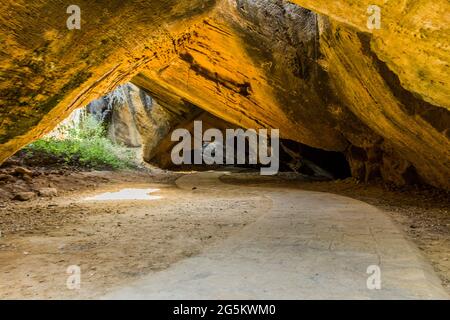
pixel 309 245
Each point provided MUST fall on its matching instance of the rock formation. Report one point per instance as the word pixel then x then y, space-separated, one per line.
pixel 135 119
pixel 381 97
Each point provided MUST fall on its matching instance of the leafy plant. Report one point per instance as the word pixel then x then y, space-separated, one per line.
pixel 84 145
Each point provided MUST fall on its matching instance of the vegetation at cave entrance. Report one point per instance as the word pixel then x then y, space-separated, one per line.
pixel 82 143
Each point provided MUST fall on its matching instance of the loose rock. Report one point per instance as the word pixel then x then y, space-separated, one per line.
pixel 23 171
pixel 24 196
pixel 48 192
pixel 6 177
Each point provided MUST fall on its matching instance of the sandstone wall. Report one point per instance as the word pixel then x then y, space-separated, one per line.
pixel 381 97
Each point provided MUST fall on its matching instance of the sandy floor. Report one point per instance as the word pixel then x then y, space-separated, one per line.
pixel 113 241
pixel 117 242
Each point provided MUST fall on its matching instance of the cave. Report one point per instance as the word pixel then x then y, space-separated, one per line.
pixel 354 170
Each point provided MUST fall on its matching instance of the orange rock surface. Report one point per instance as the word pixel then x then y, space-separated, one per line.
pixel 379 96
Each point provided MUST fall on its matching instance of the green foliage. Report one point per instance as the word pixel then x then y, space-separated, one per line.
pixel 84 145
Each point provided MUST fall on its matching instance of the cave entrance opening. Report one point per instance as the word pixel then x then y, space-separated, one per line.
pixel 128 128
pixel 86 139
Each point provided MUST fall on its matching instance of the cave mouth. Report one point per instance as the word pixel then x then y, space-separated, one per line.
pixel 121 129
pixel 83 141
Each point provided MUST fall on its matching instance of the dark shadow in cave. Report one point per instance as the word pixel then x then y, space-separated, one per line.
pixel 307 160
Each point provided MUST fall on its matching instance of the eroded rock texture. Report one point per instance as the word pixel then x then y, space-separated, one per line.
pixel 135 119
pixel 414 40
pixel 47 70
pixel 380 97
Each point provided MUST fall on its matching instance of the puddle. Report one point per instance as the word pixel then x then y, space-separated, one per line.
pixel 126 194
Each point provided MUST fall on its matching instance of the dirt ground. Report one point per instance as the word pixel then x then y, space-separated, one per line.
pixel 112 242
pixel 115 242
